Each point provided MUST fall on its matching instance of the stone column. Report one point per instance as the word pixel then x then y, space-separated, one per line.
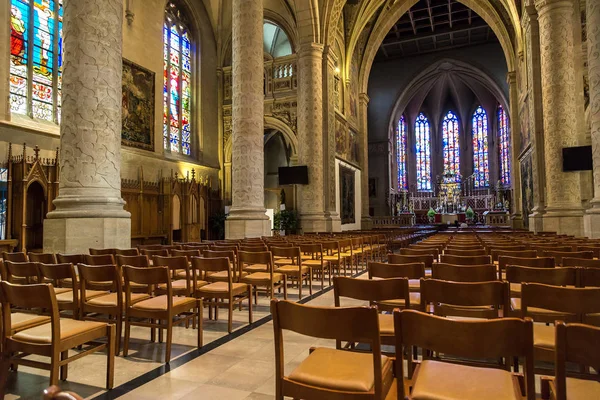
pixel 5 12
pixel 247 216
pixel 89 208
pixel 564 213
pixel 515 139
pixel 363 105
pixel 592 218
pixel 334 222
pixel 310 136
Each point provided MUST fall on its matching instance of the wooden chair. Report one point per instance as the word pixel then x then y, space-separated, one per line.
pixel 463 247
pixel 26 273
pixel 234 293
pixel 464 273
pixel 315 260
pixel 497 253
pixel 180 286
pixel 551 247
pixel 465 253
pixel 540 262
pixel 333 256
pixel 465 299
pixel 222 276
pixel 270 279
pixel 593 249
pixel 187 254
pixel 54 339
pixel 346 254
pixel 155 252
pixel 576 343
pixel 100 259
pixel 293 268
pixel 466 260
pixel 71 258
pixel 331 373
pixel 580 262
pixel 504 339
pixel 251 248
pixel 46 258
pixel 559 255
pixel 111 305
pixel 376 292
pixel 54 393
pixel 404 259
pixel 101 252
pixel 418 252
pixel 173 310
pixel 589 277
pixel 127 252
pixel 139 261
pixel 14 257
pixel 413 272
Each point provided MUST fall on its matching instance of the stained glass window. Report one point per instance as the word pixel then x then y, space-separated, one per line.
pixel 481 168
pixel 36 58
pixel 177 49
pixel 423 152
pixel 504 146
pixel 451 146
pixel 401 154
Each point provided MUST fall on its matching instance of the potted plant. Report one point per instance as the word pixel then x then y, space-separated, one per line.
pixel 431 215
pixel 286 222
pixel 470 214
pixel 217 224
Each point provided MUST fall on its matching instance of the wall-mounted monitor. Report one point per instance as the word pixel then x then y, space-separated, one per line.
pixel 577 158
pixel 293 175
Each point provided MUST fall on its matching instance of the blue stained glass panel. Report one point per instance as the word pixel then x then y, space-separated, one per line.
pixel 451 145
pixel 423 153
pixel 504 146
pixel 480 149
pixel 401 154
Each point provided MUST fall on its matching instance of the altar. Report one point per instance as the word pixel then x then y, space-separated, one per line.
pixel 450 218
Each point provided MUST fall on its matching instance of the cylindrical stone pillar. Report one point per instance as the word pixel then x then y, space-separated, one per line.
pixel 89 209
pixel 363 107
pixel 563 194
pixel 515 140
pixel 247 216
pixel 310 136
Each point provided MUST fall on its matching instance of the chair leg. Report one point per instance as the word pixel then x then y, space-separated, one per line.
pixel 200 308
pixel 126 339
pixel 216 309
pixel 285 287
pixel 160 332
pixel 110 356
pixel 54 369
pixel 230 319
pixel 119 330
pixel 249 304
pixel 64 369
pixel 310 282
pixel 4 371
pixel 169 339
pixel 300 284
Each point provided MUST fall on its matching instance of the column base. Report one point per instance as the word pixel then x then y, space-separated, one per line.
pixel 78 235
pixel 366 223
pixel 242 224
pixel 317 222
pixel 334 222
pixel 516 221
pixel 563 222
pixel 536 223
pixel 591 223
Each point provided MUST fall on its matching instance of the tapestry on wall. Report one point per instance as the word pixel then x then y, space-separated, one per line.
pixel 527 187
pixel 138 107
pixel 347 195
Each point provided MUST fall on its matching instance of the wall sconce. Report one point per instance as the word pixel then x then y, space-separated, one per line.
pixel 128 13
pixel 337 70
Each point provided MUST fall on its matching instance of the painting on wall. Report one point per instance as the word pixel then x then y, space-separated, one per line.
pixel 138 107
pixel 340 138
pixel 524 122
pixel 352 146
pixel 347 207
pixel 527 187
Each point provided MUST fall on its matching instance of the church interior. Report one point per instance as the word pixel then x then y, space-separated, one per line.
pixel 307 199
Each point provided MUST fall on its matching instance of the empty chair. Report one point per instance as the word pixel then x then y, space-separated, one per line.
pixel 181 286
pixel 464 273
pixel 593 249
pixel 331 373
pixel 504 339
pixel 467 253
pixel 589 277
pixel 46 258
pixel 404 259
pixel 53 339
pixel 70 258
pixel 22 272
pixel 155 252
pixel 559 255
pixel 127 252
pixel 420 252
pixel 465 247
pixel 413 272
pixel 375 292
pixel 539 262
pixel 580 262
pixel 269 279
pixel 100 259
pixel 186 253
pixel 466 260
pixel 551 247
pixel 221 276
pixel 100 252
pixel 312 256
pixel 15 257
pixel 497 253
pixel 290 264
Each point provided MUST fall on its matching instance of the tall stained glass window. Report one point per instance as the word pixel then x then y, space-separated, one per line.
pixel 451 146
pixel 481 168
pixel 401 154
pixel 36 58
pixel 177 49
pixel 423 152
pixel 504 146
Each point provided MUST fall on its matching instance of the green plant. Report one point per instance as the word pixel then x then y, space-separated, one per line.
pixel 282 197
pixel 431 213
pixel 285 220
pixel 217 224
pixel 470 214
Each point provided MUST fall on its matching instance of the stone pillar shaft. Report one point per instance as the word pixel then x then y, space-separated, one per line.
pixel 310 135
pixel 515 140
pixel 363 106
pixel 563 194
pixel 247 216
pixel 89 209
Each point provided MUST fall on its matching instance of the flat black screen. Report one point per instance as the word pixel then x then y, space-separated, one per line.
pixel 293 175
pixel 577 158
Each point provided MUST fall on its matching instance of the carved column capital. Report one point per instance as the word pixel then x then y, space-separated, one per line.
pixel 547 6
pixel 511 77
pixel 310 50
pixel 364 99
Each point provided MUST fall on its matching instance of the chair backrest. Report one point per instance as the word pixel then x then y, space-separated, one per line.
pixel 155 252
pixel 210 265
pixel 468 253
pixel 71 258
pixel 219 254
pixel 505 338
pixel 463 247
pixel 466 260
pixel 173 263
pixel 140 261
pixel 100 252
pixel 549 276
pixel 58 272
pixel 576 303
pixel 89 274
pixel 457 298
pixel 230 247
pixel 253 247
pixel 146 276
pixel 15 257
pixel 576 343
pixel 314 249
pixel 580 262
pixel 37 296
pixel 405 259
pixel 464 273
pixel 46 258
pixel 200 247
pixel 420 252
pixel 589 277
pixel 27 270
pixel 292 253
pixel 387 271
pixel 185 253
pixel 370 290
pixel 559 255
pixel 541 262
pixel 551 247
pixel 102 259
pixel 593 249
pixel 497 253
pixel 127 252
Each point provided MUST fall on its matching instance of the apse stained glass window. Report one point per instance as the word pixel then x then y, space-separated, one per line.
pixel 36 58
pixel 177 48
pixel 423 152
pixel 401 154
pixel 450 145
pixel 481 168
pixel 504 146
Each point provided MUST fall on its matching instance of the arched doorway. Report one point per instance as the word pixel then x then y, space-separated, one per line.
pixel 277 154
pixel 34 217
